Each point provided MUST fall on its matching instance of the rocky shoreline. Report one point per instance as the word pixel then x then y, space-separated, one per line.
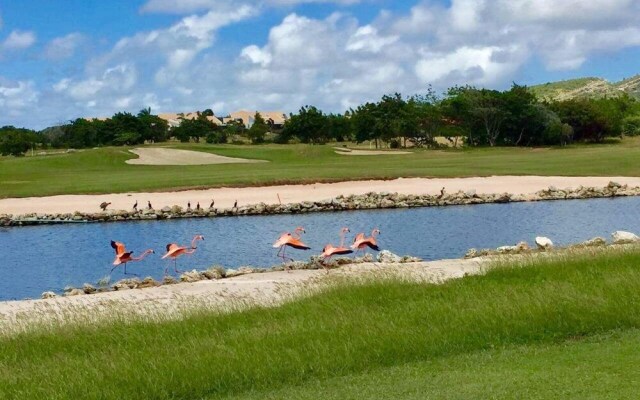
pixel 366 201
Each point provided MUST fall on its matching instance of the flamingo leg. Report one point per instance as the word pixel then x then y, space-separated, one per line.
pixel 125 270
pixel 112 269
pixel 175 266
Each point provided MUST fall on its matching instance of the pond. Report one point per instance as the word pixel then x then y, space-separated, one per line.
pixel 41 258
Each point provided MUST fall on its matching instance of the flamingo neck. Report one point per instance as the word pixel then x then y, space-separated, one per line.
pixel 342 233
pixel 193 243
pixel 143 255
pixel 374 233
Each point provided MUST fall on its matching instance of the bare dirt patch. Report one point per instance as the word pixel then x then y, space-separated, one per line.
pixel 162 156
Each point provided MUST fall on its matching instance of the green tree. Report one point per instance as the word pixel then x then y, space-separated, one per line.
pixel 16 141
pixel 258 130
pixel 194 129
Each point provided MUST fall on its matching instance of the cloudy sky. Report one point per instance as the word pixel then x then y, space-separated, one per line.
pixel 64 59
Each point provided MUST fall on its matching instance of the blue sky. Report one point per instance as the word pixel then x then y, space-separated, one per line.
pixel 65 59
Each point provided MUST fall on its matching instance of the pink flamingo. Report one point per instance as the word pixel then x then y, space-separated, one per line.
pixel 290 240
pixel 123 256
pixel 174 251
pixel 329 250
pixel 361 242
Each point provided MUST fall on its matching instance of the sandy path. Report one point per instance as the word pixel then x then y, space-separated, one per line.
pixel 162 156
pixel 351 152
pixel 225 197
pixel 172 301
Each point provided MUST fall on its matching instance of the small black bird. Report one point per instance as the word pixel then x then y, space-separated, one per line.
pixel 441 193
pixel 198 206
pixel 188 204
pixel 135 205
pixel 104 205
pixel 212 203
pixel 149 205
pixel 235 205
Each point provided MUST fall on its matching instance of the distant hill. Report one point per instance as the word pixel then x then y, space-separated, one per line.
pixel 587 88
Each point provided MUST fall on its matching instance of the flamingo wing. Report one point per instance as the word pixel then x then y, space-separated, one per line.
pixel 342 251
pixel 282 240
pixel 297 244
pixel 118 247
pixel 172 248
pixel 372 244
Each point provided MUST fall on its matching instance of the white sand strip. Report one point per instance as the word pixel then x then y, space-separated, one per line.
pixel 225 197
pixel 172 301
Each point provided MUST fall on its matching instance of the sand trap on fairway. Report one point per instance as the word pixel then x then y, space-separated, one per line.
pixel 161 156
pixel 351 152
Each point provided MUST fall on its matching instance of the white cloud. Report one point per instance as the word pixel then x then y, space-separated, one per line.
pixel 366 38
pixel 18 40
pixel 18 98
pixel 191 6
pixel 63 47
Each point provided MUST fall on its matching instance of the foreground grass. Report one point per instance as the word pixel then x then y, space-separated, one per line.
pixel 512 319
pixel 598 367
pixel 104 170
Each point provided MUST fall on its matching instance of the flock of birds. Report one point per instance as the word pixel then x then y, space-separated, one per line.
pixel 293 240
pixel 105 204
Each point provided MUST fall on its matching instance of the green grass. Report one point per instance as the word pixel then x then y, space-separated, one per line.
pixel 104 170
pixel 512 325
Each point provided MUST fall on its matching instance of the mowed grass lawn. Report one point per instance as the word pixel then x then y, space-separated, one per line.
pixel 104 170
pixel 562 328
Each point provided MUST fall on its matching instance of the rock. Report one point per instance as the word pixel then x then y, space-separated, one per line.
pixel 214 273
pixel 49 295
pixel 544 243
pixel 191 276
pixel 230 273
pixel 74 292
pixel 410 259
pixel 507 249
pixel 471 253
pixel 385 256
pixel 88 288
pixel 522 247
pixel 148 282
pixel 169 280
pixel 614 185
pixel 597 241
pixel 166 209
pixel 622 237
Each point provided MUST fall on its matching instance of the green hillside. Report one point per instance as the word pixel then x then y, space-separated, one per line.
pixel 587 88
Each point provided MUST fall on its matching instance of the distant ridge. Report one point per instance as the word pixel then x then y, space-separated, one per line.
pixel 591 88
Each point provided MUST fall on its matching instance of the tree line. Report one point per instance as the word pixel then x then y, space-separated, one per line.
pixel 463 115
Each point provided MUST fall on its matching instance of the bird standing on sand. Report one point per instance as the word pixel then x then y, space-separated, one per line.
pixel 235 205
pixel 135 206
pixel 290 240
pixel 213 202
pixel 149 205
pixel 104 205
pixel 198 206
pixel 174 251
pixel 188 204
pixel 328 251
pixel 441 193
pixel 123 256
pixel 361 242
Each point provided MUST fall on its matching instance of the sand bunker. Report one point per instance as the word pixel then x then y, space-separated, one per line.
pixel 351 152
pixel 162 156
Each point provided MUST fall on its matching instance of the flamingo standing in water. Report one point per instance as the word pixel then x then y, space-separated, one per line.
pixel 291 240
pixel 174 251
pixel 123 256
pixel 329 251
pixel 361 242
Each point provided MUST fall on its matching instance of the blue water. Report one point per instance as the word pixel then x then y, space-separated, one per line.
pixel 40 258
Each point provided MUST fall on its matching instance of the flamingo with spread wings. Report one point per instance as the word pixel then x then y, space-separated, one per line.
pixel 290 240
pixel 174 251
pixel 361 242
pixel 329 250
pixel 123 256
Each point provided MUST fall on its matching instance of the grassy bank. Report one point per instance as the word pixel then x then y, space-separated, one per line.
pixel 342 342
pixel 104 170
